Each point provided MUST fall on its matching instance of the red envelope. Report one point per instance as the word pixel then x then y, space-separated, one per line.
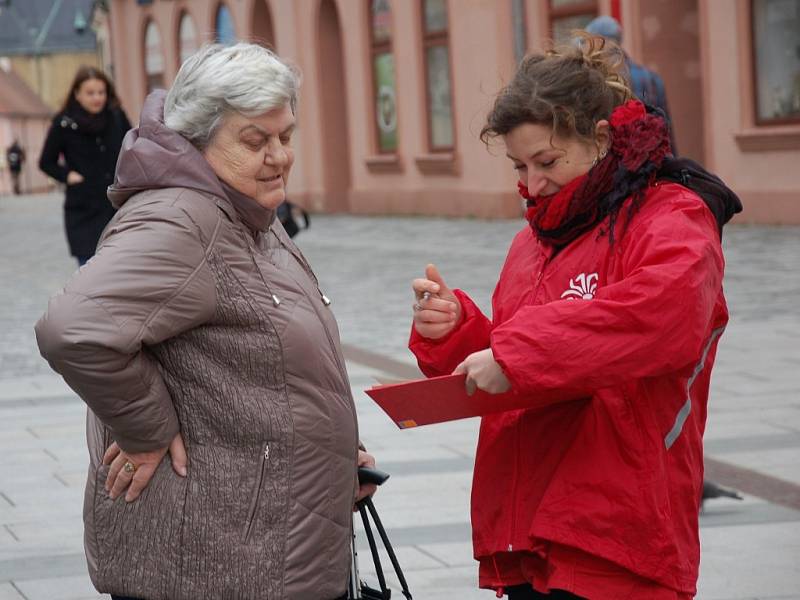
pixel 440 399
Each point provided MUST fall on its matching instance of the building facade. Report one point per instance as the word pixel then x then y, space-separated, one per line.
pixel 395 91
pixel 24 118
pixel 46 41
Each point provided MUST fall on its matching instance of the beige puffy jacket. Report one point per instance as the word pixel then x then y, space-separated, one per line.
pixel 199 315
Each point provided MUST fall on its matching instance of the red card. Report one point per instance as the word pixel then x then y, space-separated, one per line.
pixel 440 399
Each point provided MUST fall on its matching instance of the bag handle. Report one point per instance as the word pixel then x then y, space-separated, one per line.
pixel 373 548
pixel 367 505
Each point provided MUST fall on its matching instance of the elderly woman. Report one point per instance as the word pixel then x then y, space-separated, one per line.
pixel 199 331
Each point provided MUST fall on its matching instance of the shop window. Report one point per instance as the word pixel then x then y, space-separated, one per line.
pixel 568 15
pixel 437 75
pixel 776 61
pixel 383 74
pixel 224 28
pixel 187 37
pixel 153 58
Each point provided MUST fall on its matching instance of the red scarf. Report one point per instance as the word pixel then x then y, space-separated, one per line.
pixel 640 141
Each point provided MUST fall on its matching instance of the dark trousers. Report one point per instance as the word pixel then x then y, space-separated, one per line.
pixel 526 592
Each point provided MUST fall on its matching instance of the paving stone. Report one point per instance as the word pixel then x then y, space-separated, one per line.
pixel 61 588
pixel 9 592
pixel 732 562
pixel 453 555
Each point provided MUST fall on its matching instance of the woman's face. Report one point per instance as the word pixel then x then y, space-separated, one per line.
pixel 546 162
pixel 92 95
pixel 254 155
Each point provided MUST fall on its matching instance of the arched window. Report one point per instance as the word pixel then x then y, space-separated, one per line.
pixel 187 37
pixel 776 31
pixel 153 58
pixel 436 39
pixel 385 90
pixel 225 30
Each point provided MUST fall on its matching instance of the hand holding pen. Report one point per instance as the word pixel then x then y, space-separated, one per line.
pixel 436 308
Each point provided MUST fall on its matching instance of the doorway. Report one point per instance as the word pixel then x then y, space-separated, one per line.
pixel 333 108
pixel 263 32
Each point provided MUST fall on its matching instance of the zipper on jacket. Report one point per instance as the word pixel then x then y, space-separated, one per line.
pixel 254 503
pixel 307 268
pixel 542 264
pixel 339 362
pixel 514 480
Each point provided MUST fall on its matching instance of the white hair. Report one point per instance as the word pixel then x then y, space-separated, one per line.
pixel 217 80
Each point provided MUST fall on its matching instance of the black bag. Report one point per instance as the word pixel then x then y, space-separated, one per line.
pixel 357 588
pixel 288 214
pixel 717 196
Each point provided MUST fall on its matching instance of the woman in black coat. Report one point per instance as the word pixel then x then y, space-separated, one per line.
pixel 87 134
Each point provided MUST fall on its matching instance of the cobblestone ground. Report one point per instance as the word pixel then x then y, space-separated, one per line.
pixel 750 548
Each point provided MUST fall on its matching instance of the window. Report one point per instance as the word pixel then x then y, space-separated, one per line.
pixel 187 38
pixel 776 60
pixel 566 15
pixel 385 90
pixel 437 75
pixel 153 58
pixel 225 31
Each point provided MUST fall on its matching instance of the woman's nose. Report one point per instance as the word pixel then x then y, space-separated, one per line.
pixel 276 155
pixel 536 183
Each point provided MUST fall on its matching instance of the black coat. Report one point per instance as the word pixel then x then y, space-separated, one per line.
pixel 86 208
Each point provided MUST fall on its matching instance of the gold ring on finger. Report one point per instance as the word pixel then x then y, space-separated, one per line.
pixel 129 467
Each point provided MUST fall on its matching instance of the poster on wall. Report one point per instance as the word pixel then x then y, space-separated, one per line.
pixel 386 102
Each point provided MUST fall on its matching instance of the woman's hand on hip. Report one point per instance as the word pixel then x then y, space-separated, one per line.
pixel 368 489
pixel 73 177
pixel 483 372
pixel 436 308
pixel 133 470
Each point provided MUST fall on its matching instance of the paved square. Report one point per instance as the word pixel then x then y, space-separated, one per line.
pixel 365 265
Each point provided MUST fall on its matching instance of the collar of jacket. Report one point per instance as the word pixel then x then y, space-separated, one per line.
pixel 251 213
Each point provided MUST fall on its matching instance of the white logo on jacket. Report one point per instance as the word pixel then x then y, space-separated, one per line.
pixel 583 286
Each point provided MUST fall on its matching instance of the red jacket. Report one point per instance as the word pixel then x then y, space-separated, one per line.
pixel 614 346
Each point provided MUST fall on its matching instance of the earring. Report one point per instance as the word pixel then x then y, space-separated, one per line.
pixel 599 157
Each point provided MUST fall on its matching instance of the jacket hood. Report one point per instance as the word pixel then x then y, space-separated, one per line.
pixel 720 199
pixel 154 156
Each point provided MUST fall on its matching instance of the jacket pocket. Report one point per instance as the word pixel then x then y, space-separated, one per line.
pixel 123 531
pixel 256 495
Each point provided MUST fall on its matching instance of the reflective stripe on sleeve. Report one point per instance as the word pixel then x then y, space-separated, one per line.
pixel 683 413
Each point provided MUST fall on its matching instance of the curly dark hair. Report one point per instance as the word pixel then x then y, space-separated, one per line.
pixel 570 88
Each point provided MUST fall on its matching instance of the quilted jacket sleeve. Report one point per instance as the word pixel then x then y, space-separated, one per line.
pixel 440 357
pixel 149 282
pixel 654 320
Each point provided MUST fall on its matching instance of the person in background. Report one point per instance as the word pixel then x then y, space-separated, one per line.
pixel 81 151
pixel 606 318
pixel 199 331
pixel 288 214
pixel 646 84
pixel 15 158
